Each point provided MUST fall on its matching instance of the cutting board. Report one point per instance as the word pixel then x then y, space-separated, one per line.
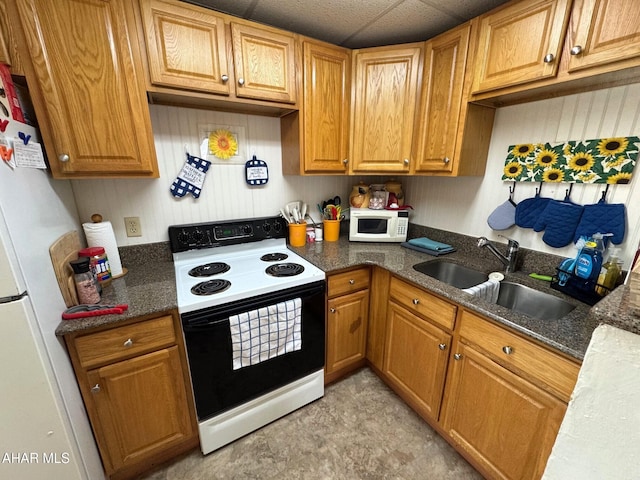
pixel 62 251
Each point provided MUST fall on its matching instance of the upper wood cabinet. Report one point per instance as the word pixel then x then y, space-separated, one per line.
pixel 315 139
pixel 327 95
pixel 186 46
pixel 198 49
pixel 8 46
pixel 606 31
pixel 384 108
pixel 520 42
pixel 454 134
pixel 84 72
pixel 265 63
pixel 601 48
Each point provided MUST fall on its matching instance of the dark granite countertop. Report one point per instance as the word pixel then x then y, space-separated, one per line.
pixel 149 286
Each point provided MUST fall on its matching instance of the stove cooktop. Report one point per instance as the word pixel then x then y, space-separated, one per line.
pixel 247 276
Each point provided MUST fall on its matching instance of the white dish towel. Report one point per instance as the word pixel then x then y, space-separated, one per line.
pixel 488 290
pixel 267 332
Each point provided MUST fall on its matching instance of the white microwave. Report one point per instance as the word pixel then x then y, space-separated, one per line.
pixel 368 225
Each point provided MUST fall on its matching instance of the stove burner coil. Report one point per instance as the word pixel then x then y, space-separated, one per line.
pixel 209 269
pixel 210 287
pixel 274 257
pixel 284 269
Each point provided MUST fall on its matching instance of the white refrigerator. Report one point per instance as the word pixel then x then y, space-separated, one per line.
pixel 44 431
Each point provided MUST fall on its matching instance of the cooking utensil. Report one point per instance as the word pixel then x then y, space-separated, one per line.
pixel 285 216
pixel 84 310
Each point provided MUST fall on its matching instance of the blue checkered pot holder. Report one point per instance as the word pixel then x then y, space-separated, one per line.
pixel 191 177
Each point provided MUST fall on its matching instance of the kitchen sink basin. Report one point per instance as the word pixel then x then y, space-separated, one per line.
pixel 451 273
pixel 532 303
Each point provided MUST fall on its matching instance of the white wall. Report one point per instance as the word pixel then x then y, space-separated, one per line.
pixel 456 204
pixel 463 204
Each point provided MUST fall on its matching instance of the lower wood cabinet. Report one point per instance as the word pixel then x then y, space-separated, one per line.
pixel 498 397
pixel 347 314
pixel 135 386
pixel 416 360
pixel 506 424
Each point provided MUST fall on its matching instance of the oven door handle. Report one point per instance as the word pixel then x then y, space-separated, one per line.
pixel 202 326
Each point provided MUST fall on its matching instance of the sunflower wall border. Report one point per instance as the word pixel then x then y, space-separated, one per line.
pixel 603 160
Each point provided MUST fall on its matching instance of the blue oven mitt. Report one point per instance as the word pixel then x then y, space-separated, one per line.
pixel 529 210
pixel 603 218
pixel 559 220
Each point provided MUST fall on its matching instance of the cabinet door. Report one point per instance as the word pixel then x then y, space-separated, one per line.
pixel 88 87
pixel 327 88
pixel 141 406
pixel 443 82
pixel 385 96
pixel 8 50
pixel 606 31
pixel 416 359
pixel 185 46
pixel 505 423
pixel 265 64
pixel 347 331
pixel 520 43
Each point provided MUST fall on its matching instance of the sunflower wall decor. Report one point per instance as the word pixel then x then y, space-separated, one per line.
pixel 223 144
pixel 603 160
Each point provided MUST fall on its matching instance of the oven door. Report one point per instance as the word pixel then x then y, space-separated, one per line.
pixel 216 385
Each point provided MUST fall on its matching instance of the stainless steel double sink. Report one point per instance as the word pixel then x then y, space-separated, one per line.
pixel 514 296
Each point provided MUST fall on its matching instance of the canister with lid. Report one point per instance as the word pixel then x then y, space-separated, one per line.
pixel 98 263
pixel 85 282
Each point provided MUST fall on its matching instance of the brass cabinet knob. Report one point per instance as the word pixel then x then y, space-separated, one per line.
pixel 442 346
pixel 406 161
pixel 457 356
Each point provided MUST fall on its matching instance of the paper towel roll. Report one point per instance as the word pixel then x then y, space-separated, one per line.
pixel 101 235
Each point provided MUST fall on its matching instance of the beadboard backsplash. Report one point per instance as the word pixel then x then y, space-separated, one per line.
pixel 460 205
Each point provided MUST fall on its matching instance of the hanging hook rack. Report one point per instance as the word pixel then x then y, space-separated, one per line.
pixel 539 189
pixel 604 193
pixel 568 191
pixel 512 189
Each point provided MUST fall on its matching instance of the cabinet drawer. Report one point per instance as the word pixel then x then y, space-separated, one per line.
pixel 111 345
pixel 348 282
pixel 553 370
pixel 418 301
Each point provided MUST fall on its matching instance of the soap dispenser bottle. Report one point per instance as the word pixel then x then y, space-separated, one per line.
pixel 589 261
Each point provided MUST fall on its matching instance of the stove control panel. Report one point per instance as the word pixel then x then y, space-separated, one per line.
pixel 215 234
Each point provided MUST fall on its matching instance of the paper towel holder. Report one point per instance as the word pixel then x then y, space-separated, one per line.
pixel 97 218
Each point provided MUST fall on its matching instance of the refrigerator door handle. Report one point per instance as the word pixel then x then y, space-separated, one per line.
pixel 13 298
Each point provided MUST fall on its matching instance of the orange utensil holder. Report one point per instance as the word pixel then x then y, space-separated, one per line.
pixel 331 230
pixel 297 234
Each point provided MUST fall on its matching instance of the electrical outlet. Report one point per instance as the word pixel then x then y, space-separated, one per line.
pixel 132 225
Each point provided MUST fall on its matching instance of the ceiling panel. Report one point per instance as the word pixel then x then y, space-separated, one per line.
pixel 357 23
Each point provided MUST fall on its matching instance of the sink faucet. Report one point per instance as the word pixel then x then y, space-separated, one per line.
pixel 508 260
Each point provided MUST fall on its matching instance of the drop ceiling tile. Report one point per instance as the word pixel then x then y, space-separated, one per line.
pixel 330 20
pixel 239 8
pixel 410 21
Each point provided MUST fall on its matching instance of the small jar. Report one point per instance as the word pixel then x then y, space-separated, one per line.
pixel 98 264
pixel 378 197
pixel 86 285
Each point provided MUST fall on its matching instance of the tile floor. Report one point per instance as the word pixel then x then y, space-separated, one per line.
pixel 360 429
